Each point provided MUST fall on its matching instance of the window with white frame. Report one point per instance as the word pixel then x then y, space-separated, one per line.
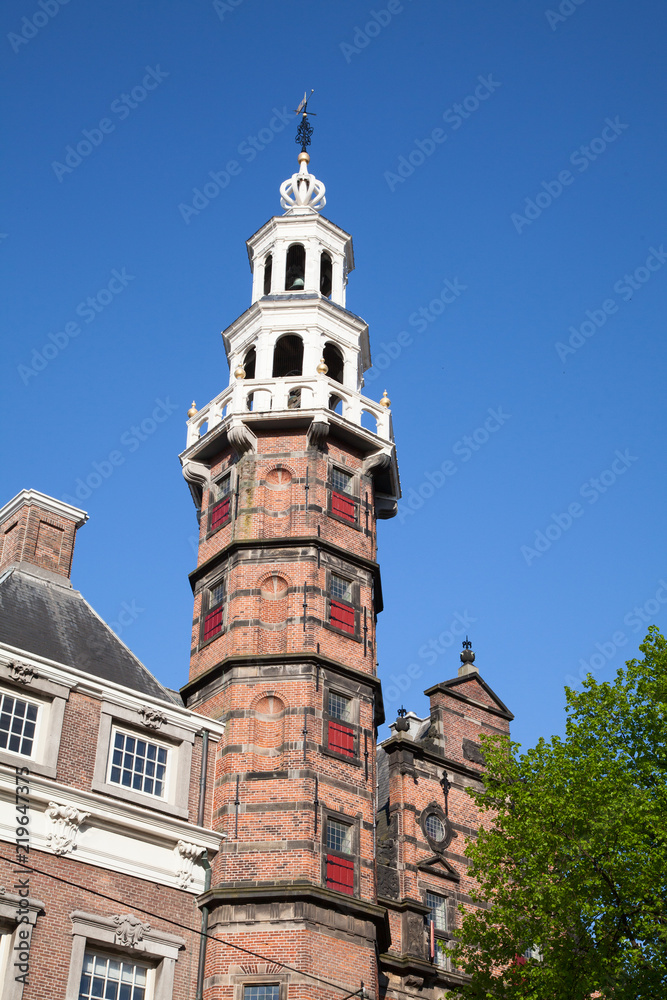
pixel 102 968
pixel 113 978
pixel 138 764
pixel 32 709
pixel 18 724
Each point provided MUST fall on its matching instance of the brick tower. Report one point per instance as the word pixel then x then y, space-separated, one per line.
pixel 290 466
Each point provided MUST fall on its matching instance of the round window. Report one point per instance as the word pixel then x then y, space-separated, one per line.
pixel 434 827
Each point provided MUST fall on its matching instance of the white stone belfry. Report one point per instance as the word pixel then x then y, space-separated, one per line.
pixel 297 347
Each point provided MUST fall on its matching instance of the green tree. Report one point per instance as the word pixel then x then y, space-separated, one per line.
pixel 573 861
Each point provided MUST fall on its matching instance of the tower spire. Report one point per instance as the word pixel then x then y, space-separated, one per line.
pixel 302 192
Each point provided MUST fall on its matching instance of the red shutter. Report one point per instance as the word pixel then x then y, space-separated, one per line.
pixel 220 513
pixel 342 616
pixel 212 624
pixel 340 874
pixel 343 506
pixel 341 739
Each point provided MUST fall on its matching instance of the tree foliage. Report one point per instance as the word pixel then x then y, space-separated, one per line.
pixel 574 859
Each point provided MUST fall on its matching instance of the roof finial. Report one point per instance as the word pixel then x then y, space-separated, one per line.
pixel 467 658
pixel 305 129
pixel 303 192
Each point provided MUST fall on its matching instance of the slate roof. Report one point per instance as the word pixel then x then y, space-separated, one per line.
pixel 48 618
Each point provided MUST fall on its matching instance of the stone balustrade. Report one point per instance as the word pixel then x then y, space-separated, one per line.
pixel 284 394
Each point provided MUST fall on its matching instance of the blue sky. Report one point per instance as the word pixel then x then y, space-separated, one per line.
pixel 501 169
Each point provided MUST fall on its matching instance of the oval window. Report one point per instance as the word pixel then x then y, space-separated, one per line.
pixel 435 828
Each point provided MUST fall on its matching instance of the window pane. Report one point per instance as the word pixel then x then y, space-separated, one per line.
pixel 435 827
pixel 341 590
pixel 17 725
pixel 112 979
pixel 261 992
pixel 339 836
pixel 340 707
pixel 217 595
pixel 438 907
pixel 138 763
pixel 342 481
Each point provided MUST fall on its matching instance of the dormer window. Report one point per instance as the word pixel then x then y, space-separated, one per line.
pixel 325 274
pixel 268 271
pixel 295 268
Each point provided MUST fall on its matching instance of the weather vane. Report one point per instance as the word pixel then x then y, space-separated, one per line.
pixel 467 644
pixel 305 129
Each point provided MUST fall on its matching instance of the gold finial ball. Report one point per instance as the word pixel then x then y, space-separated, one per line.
pixel 322 368
pixel 192 410
pixel 385 401
pixel 239 372
pixel 303 157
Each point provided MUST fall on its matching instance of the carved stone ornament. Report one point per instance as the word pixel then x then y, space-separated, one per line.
pixel 318 433
pixel 473 752
pixel 22 673
pixel 65 823
pixel 152 718
pixel 241 439
pixel 186 856
pixel 130 930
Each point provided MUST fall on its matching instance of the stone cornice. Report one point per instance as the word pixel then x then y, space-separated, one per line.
pixel 227 664
pixel 361 909
pixel 45 503
pixel 447 687
pixel 291 542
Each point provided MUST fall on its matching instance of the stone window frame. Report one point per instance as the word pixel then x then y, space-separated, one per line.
pixel 179 743
pixel 353 822
pixel 437 846
pixel 94 932
pixel 448 935
pixel 244 979
pixel 346 573
pixel 354 496
pixel 9 924
pixel 215 482
pixel 338 685
pixel 206 607
pixel 51 696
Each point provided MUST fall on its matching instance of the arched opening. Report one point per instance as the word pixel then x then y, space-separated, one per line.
pixel 294 399
pixel 325 274
pixel 333 359
pixel 288 356
pixel 250 400
pixel 295 268
pixel 249 363
pixel 336 404
pixel 268 269
pixel 369 421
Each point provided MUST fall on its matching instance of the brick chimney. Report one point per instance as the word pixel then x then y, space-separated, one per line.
pixel 39 530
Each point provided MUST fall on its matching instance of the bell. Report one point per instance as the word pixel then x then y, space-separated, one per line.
pixel 297 284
